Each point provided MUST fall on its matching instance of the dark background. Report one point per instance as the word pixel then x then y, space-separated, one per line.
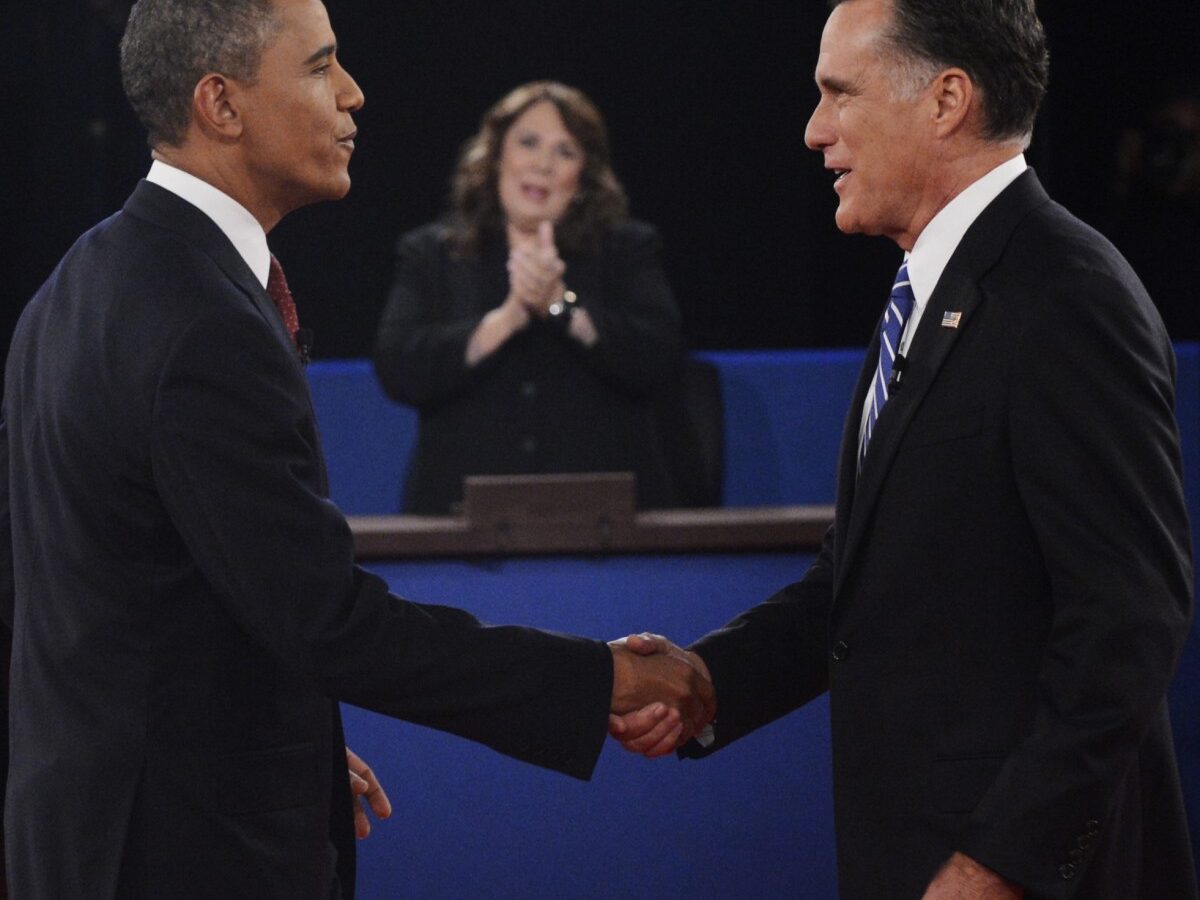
pixel 706 104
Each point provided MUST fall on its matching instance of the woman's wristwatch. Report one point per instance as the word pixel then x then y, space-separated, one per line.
pixel 561 310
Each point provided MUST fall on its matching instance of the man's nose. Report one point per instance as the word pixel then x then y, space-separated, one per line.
pixel 817 133
pixel 350 95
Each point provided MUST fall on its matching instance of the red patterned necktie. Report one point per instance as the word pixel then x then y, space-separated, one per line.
pixel 278 289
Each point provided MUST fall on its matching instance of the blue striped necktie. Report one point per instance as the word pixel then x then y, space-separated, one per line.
pixel 900 307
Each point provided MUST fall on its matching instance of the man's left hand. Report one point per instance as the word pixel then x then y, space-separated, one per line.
pixel 365 790
pixel 961 878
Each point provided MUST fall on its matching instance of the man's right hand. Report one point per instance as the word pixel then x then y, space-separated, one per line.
pixel 662 695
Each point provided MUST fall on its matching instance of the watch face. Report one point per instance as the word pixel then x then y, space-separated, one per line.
pixel 563 307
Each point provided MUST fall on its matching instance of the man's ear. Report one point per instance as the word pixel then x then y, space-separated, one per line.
pixel 216 107
pixel 954 93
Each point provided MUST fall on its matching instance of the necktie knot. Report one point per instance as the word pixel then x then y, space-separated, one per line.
pixel 281 296
pixel 902 301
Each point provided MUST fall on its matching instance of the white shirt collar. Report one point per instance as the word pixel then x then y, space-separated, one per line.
pixel 941 237
pixel 937 243
pixel 234 220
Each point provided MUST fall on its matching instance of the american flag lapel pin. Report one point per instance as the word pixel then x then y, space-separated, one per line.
pixel 951 319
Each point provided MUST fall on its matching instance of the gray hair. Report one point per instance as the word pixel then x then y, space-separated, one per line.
pixel 169 45
pixel 1000 44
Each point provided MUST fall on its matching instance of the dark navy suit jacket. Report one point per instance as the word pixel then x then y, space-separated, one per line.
pixel 1002 600
pixel 183 597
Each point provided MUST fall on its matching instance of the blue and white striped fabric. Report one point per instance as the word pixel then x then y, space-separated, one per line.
pixel 900 307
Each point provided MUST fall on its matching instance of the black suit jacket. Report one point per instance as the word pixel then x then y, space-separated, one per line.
pixel 542 402
pixel 185 605
pixel 1000 604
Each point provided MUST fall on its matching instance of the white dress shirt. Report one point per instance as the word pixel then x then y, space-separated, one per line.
pixel 234 220
pixel 938 241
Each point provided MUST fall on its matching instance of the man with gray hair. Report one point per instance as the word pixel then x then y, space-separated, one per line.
pixel 1000 605
pixel 183 600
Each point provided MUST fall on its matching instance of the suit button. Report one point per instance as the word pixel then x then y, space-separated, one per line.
pixel 528 445
pixel 1067 870
pixel 840 651
pixel 1093 827
pixel 528 390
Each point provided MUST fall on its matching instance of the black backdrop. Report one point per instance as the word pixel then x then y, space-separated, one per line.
pixel 706 102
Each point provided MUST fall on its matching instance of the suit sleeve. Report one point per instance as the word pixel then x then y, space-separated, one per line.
pixel 7 571
pixel 420 352
pixel 772 658
pixel 7 601
pixel 236 464
pixel 637 319
pixel 1095 454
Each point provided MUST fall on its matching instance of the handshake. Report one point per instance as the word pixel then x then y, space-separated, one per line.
pixel 662 695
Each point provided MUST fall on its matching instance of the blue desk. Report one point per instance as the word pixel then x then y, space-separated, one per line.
pixel 754 821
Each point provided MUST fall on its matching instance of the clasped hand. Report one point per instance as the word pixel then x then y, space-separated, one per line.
pixel 662 695
pixel 535 272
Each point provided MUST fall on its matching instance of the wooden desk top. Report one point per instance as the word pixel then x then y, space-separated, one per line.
pixel 746 529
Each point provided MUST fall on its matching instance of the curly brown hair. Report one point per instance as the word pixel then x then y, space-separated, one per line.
pixel 599 201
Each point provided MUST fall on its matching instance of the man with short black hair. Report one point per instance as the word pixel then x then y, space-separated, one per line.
pixel 999 607
pixel 183 597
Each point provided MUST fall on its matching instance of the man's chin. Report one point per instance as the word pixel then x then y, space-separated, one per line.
pixel 339 188
pixel 332 191
pixel 845 222
pixel 849 223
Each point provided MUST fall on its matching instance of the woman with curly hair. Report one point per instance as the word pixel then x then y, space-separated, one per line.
pixel 531 326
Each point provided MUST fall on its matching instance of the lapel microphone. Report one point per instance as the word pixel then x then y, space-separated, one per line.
pixel 304 341
pixel 899 364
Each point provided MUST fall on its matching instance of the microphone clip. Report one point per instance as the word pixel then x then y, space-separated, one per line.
pixel 304 341
pixel 899 365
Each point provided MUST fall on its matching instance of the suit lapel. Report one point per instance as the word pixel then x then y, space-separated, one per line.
pixel 161 207
pixel 847 478
pixel 958 292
